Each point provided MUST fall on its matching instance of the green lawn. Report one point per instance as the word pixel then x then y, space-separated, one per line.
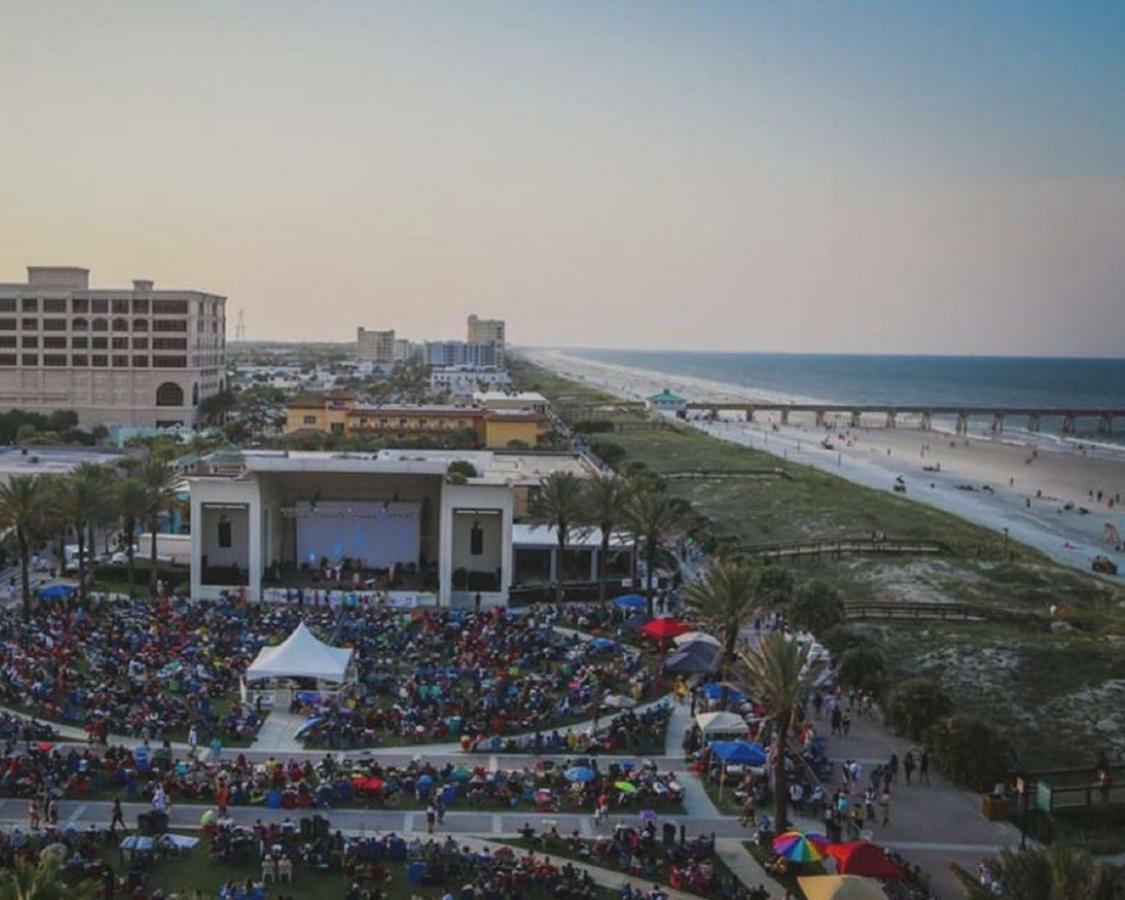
pixel 562 848
pixel 195 873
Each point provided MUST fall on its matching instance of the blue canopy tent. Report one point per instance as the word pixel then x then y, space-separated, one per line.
pixel 697 658
pixel 739 753
pixel 736 753
pixel 57 592
pixel 714 691
pixel 630 601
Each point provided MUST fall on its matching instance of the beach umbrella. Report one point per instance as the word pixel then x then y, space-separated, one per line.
pixel 648 815
pixel 580 774
pixel 310 724
pixel 800 847
pixel 840 887
pixel 630 601
pixel 619 701
pixel 374 784
pixel 690 637
pixel 867 859
pixel 603 643
pixel 44 746
pixel 56 592
pixel 664 629
pixel 626 787
pixel 426 780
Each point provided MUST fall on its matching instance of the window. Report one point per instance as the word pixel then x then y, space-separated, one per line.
pixel 140 362
pixel 7 340
pixel 30 304
pixel 169 394
pixel 54 343
pixel 140 307
pixel 99 361
pixel 80 359
pixel 140 324
pixel 7 359
pixel 80 343
pixel 31 359
pixel 54 324
pixel 309 420
pixel 79 324
pixel 224 534
pixel 99 343
pixel 120 361
pixel 8 304
pixel 170 307
pixel 120 324
pixel 120 343
pixel 169 362
pixel 140 343
pixel 30 340
pixel 54 306
pixel 169 325
pixel 30 324
pixel 337 427
pixel 7 324
pixel 120 306
pixel 79 305
pixel 54 359
pixel 100 325
pixel 169 343
pixel 99 306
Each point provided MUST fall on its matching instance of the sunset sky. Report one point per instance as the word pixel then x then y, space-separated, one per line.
pixel 850 177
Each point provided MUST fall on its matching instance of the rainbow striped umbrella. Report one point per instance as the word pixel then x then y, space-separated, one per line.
pixel 797 846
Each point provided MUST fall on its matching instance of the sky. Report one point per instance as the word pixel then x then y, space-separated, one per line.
pixel 800 176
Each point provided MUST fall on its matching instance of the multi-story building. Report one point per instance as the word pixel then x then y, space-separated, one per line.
pixel 463 382
pixel 117 356
pixel 343 414
pixel 479 355
pixel 482 331
pixel 376 346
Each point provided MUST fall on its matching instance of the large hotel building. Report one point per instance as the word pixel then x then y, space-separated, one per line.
pixel 125 356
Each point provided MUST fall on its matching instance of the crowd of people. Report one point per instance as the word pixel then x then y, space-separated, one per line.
pixel 446 675
pixel 137 667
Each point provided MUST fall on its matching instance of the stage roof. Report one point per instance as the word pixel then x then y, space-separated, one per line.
pixel 546 537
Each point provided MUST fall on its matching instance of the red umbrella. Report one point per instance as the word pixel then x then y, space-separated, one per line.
pixel 865 858
pixel 374 784
pixel 665 629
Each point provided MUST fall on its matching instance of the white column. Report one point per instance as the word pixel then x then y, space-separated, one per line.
pixel 196 545
pixel 507 551
pixel 255 555
pixel 445 547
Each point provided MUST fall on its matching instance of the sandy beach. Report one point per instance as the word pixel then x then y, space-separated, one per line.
pixel 1043 491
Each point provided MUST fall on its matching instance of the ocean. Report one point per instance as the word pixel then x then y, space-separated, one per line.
pixel 1002 381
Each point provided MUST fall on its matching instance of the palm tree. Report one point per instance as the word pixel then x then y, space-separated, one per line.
pixel 84 498
pixel 725 598
pixel 777 672
pixel 44 880
pixel 605 509
pixel 160 479
pixel 653 517
pixel 134 501
pixel 559 505
pixel 1057 872
pixel 21 509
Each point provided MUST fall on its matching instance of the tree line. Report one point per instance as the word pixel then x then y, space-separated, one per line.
pixel 38 509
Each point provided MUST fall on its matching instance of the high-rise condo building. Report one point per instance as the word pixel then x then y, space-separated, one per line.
pixel 376 346
pixel 482 331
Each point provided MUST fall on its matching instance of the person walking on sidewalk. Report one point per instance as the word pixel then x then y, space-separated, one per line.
pixel 908 766
pixel 885 806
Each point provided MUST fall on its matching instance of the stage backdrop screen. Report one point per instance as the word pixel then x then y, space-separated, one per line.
pixel 378 533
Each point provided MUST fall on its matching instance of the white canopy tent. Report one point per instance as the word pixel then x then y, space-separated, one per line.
pixel 301 655
pixel 713 724
pixel 692 636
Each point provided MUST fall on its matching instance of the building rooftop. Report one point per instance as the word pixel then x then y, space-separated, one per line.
pixel 54 460
pixel 492 467
pixel 523 396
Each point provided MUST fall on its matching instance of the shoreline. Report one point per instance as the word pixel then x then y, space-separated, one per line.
pixel 1031 490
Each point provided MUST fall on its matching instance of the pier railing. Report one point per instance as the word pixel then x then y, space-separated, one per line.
pixel 837 547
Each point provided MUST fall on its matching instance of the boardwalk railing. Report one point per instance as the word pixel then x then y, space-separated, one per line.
pixel 877 609
pixel 1069 789
pixel 837 547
